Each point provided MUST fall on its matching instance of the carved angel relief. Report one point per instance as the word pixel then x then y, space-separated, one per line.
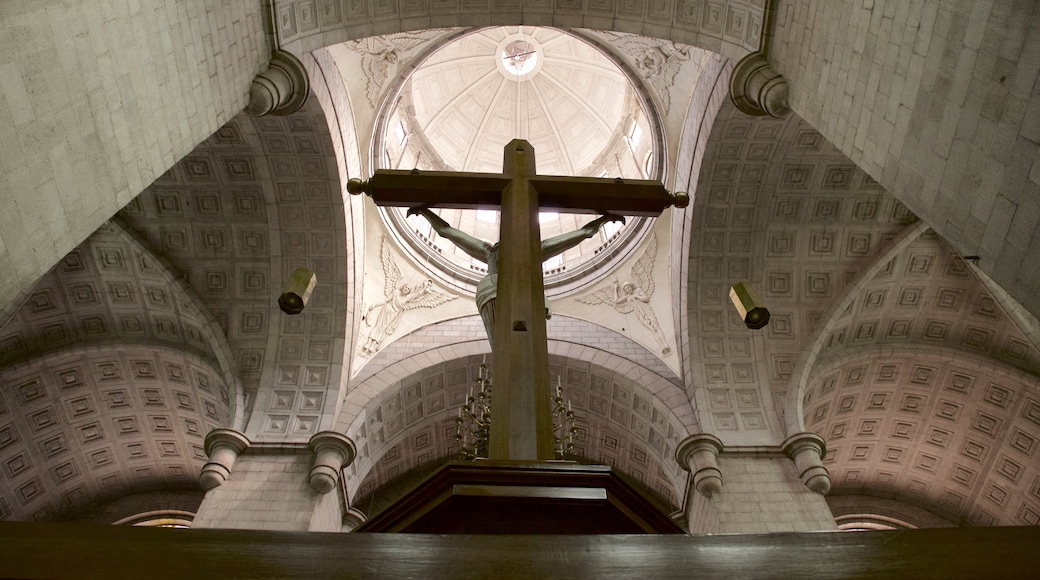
pixel 657 61
pixel 383 57
pixel 634 297
pixel 384 317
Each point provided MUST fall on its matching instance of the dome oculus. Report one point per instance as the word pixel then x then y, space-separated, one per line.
pixel 519 56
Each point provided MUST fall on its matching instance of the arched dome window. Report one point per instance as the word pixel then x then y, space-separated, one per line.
pixel 159 519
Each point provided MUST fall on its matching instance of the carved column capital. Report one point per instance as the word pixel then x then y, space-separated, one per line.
pixel 758 90
pixel 807 450
pixel 699 454
pixel 281 89
pixel 223 447
pixel 332 452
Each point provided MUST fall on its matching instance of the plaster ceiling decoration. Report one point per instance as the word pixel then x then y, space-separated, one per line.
pixel 656 61
pixel 114 372
pixel 938 428
pixel 382 318
pixel 780 207
pixel 470 95
pixel 110 290
pixel 921 384
pixel 383 58
pixel 922 349
pixel 85 423
pixel 632 295
pixel 234 218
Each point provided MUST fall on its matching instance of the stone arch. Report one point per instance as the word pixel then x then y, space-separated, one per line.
pixel 454 339
pixel 215 338
pixel 107 419
pixel 622 423
pixel 326 87
pixel 793 418
pixel 708 98
pixel 732 28
pixel 935 427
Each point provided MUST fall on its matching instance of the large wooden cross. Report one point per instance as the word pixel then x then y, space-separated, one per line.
pixel 522 427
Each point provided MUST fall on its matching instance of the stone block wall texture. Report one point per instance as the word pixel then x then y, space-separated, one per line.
pixel 761 493
pixel 940 102
pixel 328 513
pixel 266 492
pixel 98 99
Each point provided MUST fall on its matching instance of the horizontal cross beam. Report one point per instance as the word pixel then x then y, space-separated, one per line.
pixel 449 189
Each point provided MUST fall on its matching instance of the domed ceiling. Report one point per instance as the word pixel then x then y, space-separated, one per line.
pixel 476 92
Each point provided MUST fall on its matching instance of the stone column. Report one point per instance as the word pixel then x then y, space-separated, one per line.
pixel 352 518
pixel 332 452
pixel 807 450
pixel 758 90
pixel 223 447
pixel 281 486
pixel 281 89
pixel 699 455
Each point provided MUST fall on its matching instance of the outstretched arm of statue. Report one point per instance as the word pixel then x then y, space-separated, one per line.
pixel 558 244
pixel 472 246
pixel 367 317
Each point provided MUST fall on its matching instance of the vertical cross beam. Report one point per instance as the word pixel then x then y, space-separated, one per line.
pixel 521 426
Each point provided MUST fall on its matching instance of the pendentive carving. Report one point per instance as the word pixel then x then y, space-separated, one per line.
pixel 383 57
pixel 634 297
pixel 384 317
pixel 657 61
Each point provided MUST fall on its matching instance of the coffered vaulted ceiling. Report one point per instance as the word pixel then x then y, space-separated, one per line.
pixel 163 325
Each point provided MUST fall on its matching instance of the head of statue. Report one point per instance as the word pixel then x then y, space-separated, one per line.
pixel 406 290
pixel 628 287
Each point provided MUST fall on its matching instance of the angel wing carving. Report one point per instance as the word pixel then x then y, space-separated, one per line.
pixel 643 270
pixel 607 295
pixel 642 274
pixel 634 296
pixel 384 317
pixel 426 296
pixel 382 57
pixel 391 273
pixel 658 61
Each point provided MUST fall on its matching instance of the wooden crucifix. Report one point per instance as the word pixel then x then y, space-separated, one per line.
pixel 521 428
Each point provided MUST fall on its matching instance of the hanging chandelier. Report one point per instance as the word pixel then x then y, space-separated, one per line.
pixel 473 425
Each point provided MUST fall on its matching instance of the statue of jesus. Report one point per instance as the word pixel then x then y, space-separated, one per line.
pixel 487 288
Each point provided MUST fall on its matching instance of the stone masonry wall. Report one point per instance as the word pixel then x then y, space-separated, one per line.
pixel 265 492
pixel 97 99
pixel 761 493
pixel 939 101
